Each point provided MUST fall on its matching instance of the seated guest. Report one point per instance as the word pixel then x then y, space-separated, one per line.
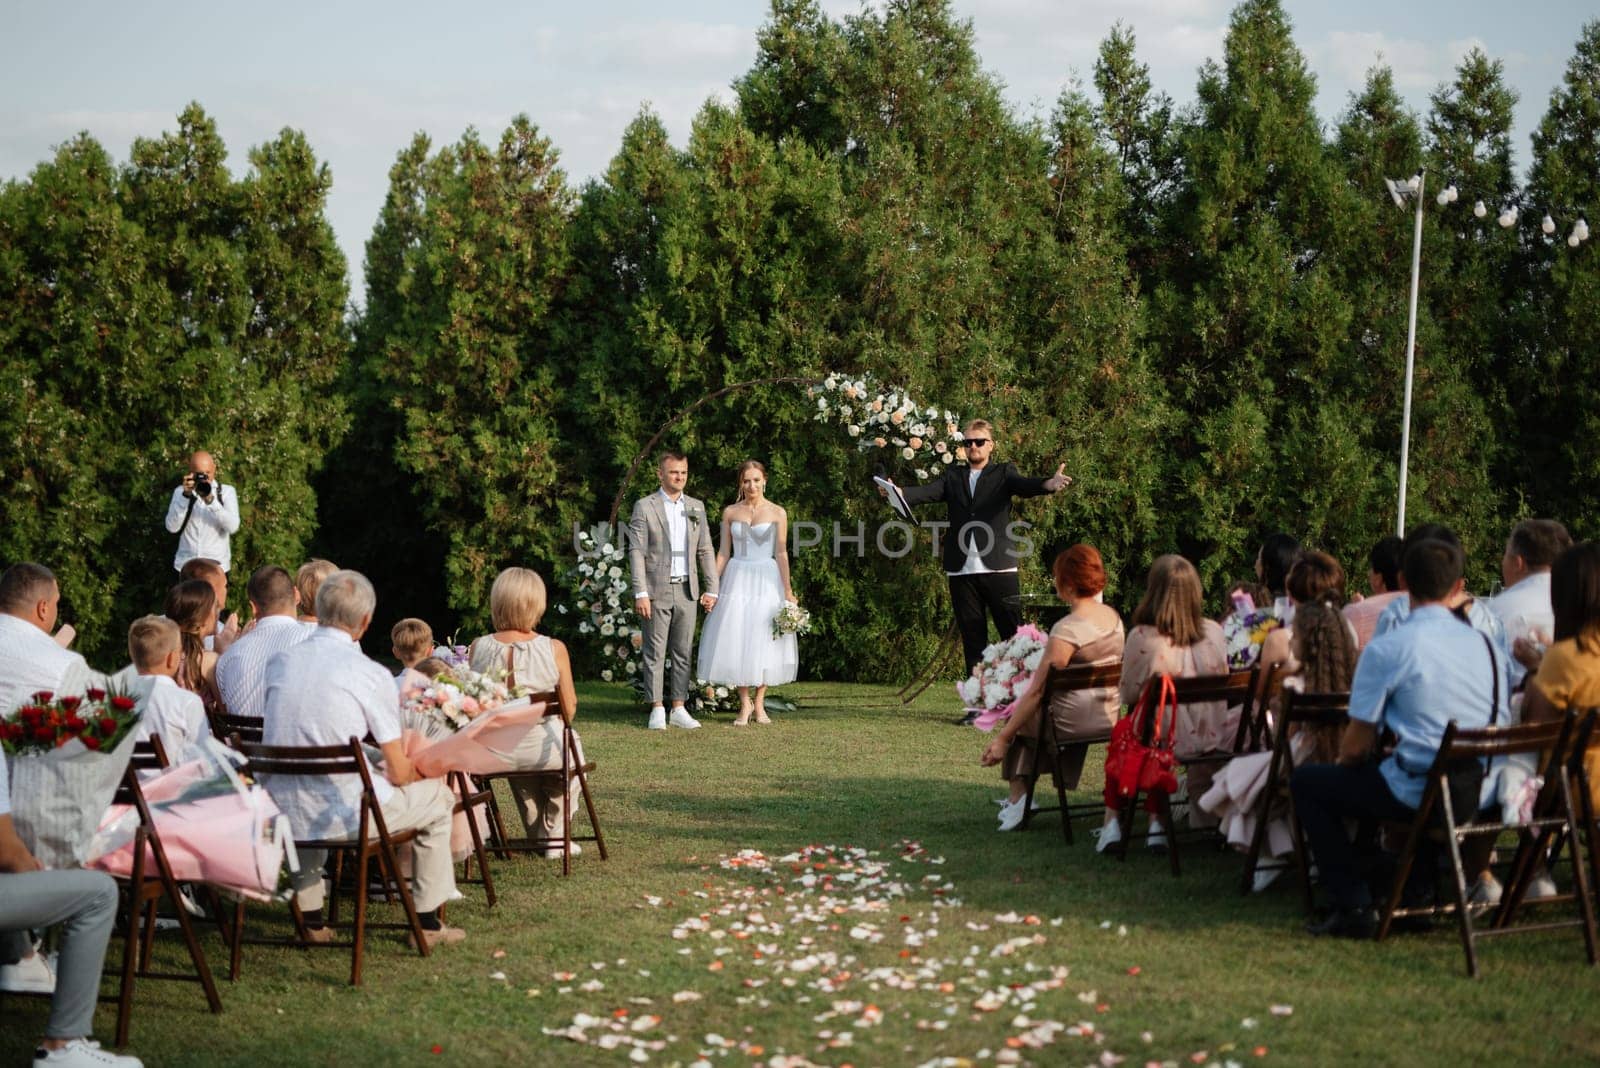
pixel 1413 679
pixel 1091 633
pixel 30 661
pixel 431 667
pixel 174 714
pixel 227 622
pixel 1524 606
pixel 1314 576
pixel 1322 660
pixel 306 582
pixel 242 670
pixel 539 664
pixel 1273 561
pixel 1383 577
pixel 192 605
pixel 1171 636
pixel 1462 603
pixel 411 641
pixel 324 691
pixel 84 903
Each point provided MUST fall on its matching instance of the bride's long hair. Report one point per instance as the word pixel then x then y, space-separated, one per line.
pixel 738 478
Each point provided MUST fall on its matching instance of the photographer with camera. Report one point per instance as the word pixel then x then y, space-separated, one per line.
pixel 204 513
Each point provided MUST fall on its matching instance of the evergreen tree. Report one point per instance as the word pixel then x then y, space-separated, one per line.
pixel 1137 123
pixel 1559 376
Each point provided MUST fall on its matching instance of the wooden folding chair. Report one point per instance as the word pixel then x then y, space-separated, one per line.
pixel 1489 742
pixel 373 839
pixel 1061 681
pixel 468 801
pixel 1549 830
pixel 145 890
pixel 1129 807
pixel 572 767
pixel 225 725
pixel 1305 711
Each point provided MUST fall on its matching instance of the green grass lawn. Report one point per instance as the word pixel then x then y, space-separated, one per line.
pixel 1162 969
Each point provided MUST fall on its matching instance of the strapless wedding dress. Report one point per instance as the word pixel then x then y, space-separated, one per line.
pixel 736 645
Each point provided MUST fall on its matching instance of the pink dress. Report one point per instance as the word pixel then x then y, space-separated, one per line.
pixel 1202 728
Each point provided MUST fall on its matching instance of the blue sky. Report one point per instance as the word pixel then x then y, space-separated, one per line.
pixel 360 79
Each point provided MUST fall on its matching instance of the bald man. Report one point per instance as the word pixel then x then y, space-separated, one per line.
pixel 204 514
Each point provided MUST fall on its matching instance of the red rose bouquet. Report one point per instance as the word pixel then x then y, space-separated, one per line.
pixel 44 722
pixel 66 757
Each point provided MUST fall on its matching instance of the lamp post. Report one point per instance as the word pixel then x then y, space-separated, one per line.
pixel 1399 191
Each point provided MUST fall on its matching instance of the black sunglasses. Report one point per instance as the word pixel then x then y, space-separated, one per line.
pixel 969 442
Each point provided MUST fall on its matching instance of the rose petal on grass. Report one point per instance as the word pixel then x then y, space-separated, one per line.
pixel 1282 1010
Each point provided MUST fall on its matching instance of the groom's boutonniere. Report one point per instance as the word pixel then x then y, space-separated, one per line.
pixel 692 516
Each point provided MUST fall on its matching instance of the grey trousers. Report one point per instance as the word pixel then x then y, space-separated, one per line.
pixel 84 903
pixel 669 636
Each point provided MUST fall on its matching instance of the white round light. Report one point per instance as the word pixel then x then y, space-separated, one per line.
pixel 1507 218
pixel 1582 229
pixel 1455 194
pixel 1414 182
pixel 1443 198
pixel 1572 240
pixel 1479 210
pixel 1547 224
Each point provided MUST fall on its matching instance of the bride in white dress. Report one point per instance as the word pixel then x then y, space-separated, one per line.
pixel 737 647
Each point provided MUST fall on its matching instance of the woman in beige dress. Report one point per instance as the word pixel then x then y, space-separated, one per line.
pixel 539 664
pixel 1091 633
pixel 1172 636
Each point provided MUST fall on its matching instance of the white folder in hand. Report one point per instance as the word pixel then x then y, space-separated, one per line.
pixel 897 500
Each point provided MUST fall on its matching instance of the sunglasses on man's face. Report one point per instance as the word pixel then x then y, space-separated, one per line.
pixel 973 442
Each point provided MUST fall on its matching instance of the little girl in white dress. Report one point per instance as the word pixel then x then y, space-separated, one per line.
pixel 737 647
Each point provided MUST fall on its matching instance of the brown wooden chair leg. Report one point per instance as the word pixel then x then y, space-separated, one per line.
pixel 1580 880
pixel 130 942
pixel 236 947
pixel 359 936
pixel 1164 803
pixel 588 804
pixel 463 788
pixel 1061 800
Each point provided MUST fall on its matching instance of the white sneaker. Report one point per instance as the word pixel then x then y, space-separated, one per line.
pixel 1157 840
pixel 30 975
pixel 1542 886
pixel 1002 802
pixel 681 718
pixel 554 852
pixel 1263 878
pixel 658 718
pixel 85 1053
pixel 1012 814
pixel 1486 891
pixel 1108 835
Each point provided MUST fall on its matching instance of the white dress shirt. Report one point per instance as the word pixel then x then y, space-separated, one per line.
pixel 677 534
pixel 31 661
pixel 242 670
pixel 210 526
pixel 325 691
pixel 1524 608
pixel 974 564
pixel 173 713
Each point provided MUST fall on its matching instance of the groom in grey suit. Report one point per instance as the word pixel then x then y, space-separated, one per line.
pixel 668 536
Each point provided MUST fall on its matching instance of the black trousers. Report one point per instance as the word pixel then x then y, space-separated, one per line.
pixel 1325 795
pixel 974 595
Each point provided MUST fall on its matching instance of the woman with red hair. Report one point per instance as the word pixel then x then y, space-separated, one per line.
pixel 1091 633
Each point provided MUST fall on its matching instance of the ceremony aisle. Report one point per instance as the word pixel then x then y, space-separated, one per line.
pixel 831 890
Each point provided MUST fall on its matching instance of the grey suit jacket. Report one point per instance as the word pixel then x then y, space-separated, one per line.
pixel 650 548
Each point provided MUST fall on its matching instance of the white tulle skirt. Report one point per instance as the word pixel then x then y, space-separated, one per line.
pixel 736 645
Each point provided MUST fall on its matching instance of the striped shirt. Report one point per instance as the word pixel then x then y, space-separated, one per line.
pixel 242 670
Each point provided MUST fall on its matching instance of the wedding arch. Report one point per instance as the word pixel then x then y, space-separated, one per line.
pixel 876 417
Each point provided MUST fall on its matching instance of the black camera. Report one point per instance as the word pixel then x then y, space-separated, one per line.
pixel 202 484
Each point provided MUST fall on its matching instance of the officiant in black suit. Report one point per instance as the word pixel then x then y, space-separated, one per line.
pixel 980 555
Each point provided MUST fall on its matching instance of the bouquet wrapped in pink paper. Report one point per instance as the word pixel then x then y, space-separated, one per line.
pixel 1002 676
pixel 214 828
pixel 483 747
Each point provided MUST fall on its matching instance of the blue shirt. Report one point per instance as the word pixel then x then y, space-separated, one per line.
pixel 1479 614
pixel 1415 678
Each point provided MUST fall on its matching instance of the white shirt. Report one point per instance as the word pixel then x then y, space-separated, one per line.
pixel 974 564
pixel 5 789
pixel 31 661
pixel 1524 608
pixel 173 713
pixel 325 691
pixel 209 527
pixel 242 670
pixel 677 534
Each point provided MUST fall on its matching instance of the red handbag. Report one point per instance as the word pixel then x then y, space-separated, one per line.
pixel 1134 763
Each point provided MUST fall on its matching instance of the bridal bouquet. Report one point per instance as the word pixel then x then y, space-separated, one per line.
pixel 791 619
pixel 1002 676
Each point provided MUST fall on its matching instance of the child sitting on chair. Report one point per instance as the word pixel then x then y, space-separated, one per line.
pixel 412 643
pixel 175 715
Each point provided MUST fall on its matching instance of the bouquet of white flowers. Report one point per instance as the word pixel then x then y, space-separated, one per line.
pixel 791 619
pixel 454 700
pixel 1002 676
